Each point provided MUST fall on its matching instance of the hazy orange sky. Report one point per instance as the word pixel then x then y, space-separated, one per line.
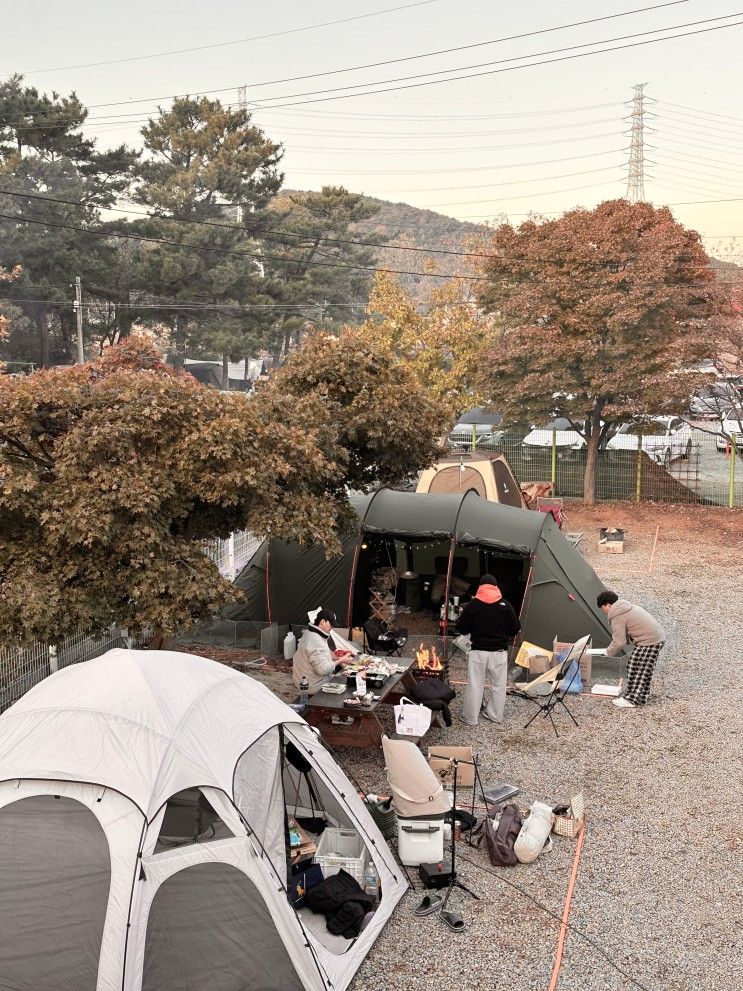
pixel 510 140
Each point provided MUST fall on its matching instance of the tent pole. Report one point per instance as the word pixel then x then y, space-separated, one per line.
pixel 349 604
pixel 268 583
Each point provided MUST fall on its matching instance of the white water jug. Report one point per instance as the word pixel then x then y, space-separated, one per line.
pixel 290 646
pixel 534 833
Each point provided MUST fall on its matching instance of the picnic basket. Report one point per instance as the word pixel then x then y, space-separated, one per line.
pixel 571 821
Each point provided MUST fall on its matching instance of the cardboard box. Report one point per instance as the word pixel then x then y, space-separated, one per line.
pixel 611 541
pixel 530 651
pixel 585 661
pixel 439 759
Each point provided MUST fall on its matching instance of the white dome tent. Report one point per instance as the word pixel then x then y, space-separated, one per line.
pixel 144 840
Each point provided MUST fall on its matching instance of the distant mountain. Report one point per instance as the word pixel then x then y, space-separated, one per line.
pixel 413 227
pixel 408 225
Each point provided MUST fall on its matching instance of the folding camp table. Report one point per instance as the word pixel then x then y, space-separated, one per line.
pixel 341 725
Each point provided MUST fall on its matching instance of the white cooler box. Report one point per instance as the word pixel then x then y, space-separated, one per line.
pixel 420 841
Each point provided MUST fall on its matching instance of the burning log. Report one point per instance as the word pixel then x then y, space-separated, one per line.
pixel 426 659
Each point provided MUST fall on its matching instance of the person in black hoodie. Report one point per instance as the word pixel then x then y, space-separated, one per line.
pixel 491 623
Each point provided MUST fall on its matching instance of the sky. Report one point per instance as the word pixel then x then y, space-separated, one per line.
pixel 525 138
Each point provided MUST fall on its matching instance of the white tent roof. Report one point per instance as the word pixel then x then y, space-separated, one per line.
pixel 145 723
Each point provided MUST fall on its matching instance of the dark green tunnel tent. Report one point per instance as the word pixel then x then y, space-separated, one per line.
pixel 540 572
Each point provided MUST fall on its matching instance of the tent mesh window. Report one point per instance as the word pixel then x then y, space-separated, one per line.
pixel 189 818
pixel 55 874
pixel 209 929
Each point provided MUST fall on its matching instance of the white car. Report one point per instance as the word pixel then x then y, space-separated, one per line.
pixel 730 426
pixel 566 437
pixel 663 439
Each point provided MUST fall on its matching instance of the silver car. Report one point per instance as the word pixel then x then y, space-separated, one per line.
pixel 664 438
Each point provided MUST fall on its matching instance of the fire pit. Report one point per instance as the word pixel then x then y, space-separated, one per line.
pixel 429 664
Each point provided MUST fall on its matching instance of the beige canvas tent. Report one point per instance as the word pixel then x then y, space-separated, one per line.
pixel 484 472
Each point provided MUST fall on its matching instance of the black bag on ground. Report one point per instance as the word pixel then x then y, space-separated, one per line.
pixel 435 695
pixel 465 819
pixel 501 839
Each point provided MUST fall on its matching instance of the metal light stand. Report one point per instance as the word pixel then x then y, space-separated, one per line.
pixel 455 882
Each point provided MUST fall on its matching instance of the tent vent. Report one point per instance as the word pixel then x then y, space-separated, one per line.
pixel 189 818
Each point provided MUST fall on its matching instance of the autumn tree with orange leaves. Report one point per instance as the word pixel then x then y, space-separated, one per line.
pixel 113 473
pixel 602 308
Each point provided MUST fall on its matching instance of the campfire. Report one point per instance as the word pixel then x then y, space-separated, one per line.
pixel 426 659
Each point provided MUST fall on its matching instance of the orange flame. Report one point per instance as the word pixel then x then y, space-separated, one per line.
pixel 427 659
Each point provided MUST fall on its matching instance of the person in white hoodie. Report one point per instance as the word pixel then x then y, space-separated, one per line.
pixel 633 623
pixel 315 657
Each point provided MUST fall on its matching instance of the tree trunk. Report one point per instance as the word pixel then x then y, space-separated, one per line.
pixel 276 353
pixel 42 326
pixel 180 332
pixel 287 341
pixel 225 372
pixel 592 459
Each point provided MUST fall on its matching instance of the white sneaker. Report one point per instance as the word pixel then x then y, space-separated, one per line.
pixel 623 703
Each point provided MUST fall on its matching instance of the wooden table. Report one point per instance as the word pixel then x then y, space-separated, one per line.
pixel 343 726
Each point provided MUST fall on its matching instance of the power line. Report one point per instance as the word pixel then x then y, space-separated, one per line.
pixel 482 65
pixel 19 194
pixel 491 72
pixel 362 115
pixel 508 199
pixel 454 170
pixel 449 276
pixel 237 41
pixel 462 48
pixel 528 34
pixel 258 256
pixel 705 113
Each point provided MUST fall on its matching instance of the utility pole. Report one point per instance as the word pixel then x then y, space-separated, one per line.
pixel 242 102
pixel 79 311
pixel 636 174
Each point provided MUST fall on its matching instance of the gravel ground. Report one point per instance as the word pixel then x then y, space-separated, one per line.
pixel 659 884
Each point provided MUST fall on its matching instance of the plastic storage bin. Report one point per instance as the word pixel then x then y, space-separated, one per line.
pixel 342 849
pixel 420 841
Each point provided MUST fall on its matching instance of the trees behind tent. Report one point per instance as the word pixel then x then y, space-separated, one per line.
pixel 113 473
pixel 602 308
pixel 209 266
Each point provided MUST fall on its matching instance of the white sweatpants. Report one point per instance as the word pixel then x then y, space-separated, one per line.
pixel 481 665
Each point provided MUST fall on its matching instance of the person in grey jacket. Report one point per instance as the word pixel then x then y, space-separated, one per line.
pixel 314 658
pixel 633 623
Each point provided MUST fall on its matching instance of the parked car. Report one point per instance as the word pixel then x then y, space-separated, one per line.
pixel 663 438
pixel 486 435
pixel 715 401
pixel 566 437
pixel 731 426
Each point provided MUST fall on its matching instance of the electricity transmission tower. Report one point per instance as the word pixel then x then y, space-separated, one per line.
pixel 636 174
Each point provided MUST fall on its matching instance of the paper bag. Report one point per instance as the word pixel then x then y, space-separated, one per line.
pixel 411 719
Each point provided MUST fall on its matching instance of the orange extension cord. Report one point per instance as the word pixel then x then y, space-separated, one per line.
pixel 566 911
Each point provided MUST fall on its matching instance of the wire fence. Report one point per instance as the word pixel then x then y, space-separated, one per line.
pixel 23 667
pixel 231 555
pixel 695 467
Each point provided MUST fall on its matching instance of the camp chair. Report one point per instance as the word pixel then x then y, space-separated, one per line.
pixel 552 505
pixel 549 689
pixel 380 639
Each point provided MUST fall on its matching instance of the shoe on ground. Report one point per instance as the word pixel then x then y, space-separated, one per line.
pixel 623 703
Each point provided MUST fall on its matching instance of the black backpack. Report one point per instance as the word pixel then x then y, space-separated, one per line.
pixel 501 839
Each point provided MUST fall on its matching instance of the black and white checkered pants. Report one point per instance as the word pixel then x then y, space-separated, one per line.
pixel 640 669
